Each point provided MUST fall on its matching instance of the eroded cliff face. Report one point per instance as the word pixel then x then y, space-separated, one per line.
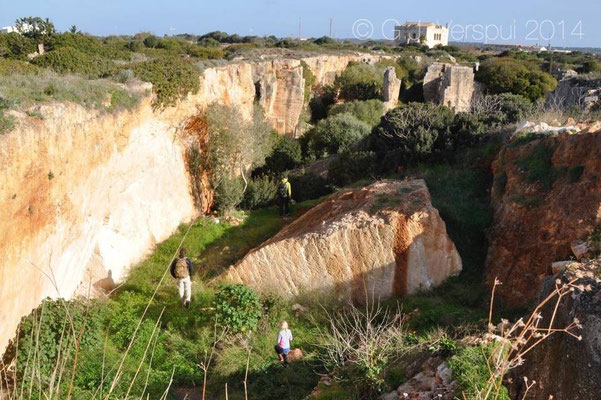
pixel 84 195
pixel 382 240
pixel 547 193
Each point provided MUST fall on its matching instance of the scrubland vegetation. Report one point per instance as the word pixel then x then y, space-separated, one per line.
pixel 140 342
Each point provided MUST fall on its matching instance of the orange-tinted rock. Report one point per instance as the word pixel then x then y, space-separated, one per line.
pixel 535 225
pixel 381 240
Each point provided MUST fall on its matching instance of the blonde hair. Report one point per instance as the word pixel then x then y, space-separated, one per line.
pixel 283 325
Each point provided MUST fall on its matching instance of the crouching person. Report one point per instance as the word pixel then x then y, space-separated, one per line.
pixel 182 270
pixel 284 338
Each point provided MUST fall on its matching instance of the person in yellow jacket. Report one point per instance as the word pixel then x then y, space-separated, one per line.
pixel 284 196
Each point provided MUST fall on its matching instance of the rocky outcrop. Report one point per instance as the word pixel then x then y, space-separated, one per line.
pixel 579 91
pixel 381 240
pixel 450 85
pixel 563 366
pixel 546 193
pixel 434 381
pixel 85 195
pixel 391 89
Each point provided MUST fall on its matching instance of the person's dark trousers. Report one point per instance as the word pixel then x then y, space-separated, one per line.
pixel 284 206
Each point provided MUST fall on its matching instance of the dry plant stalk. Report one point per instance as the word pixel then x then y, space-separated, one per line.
pixel 205 364
pixel 518 339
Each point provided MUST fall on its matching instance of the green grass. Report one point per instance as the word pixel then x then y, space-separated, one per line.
pixel 538 166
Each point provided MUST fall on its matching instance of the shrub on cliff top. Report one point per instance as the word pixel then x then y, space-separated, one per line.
pixel 360 82
pixel 172 79
pixel 68 60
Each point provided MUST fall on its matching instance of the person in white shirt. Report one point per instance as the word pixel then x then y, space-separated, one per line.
pixel 282 348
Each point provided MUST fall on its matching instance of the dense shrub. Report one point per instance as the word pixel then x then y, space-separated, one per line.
pixel 237 307
pixel 229 192
pixel 309 80
pixel 308 187
pixel 286 155
pixel 369 111
pixel 151 41
pixel 89 45
pixel 360 82
pixel 351 166
pixel 260 193
pixel 12 67
pixel 47 332
pixel 334 134
pixel 508 75
pixel 590 67
pixel 172 78
pixel 411 130
pixel 135 45
pixel 68 60
pixel 14 45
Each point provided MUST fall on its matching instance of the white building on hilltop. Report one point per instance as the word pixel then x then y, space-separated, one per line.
pixel 8 29
pixel 427 33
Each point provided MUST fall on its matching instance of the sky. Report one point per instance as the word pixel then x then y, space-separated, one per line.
pixel 508 21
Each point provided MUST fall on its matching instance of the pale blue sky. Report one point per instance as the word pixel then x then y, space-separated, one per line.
pixel 519 21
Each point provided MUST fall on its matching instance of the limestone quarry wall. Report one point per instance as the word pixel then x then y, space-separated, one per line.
pixel 85 195
pixel 534 224
pixel 382 240
pixel 449 85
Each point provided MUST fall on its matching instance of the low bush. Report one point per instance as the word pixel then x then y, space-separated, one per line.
pixel 334 134
pixel 360 82
pixel 238 308
pixel 349 167
pixel 538 166
pixel 260 193
pixel 509 75
pixel 229 192
pixel 172 78
pixel 68 61
pixel 369 111
pixel 411 131
pixel 16 46
pixel 286 155
pixel 309 187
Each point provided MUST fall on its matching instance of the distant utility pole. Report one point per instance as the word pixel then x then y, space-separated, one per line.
pixel 331 26
pixel 550 59
pixel 299 28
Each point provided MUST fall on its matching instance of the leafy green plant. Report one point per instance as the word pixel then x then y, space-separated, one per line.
pixel 261 192
pixel 68 60
pixel 538 166
pixel 172 79
pixel 286 155
pixel 228 194
pixel 334 134
pixel 238 308
pixel 369 111
pixel 360 82
pixel 352 166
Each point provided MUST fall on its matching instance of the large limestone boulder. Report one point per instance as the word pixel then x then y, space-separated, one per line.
pixel 381 240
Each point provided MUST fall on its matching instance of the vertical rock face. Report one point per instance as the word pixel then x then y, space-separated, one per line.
pixel 85 195
pixel 281 93
pixel 382 240
pixel 391 89
pixel 540 207
pixel 449 85
pixel 563 366
pixel 81 191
